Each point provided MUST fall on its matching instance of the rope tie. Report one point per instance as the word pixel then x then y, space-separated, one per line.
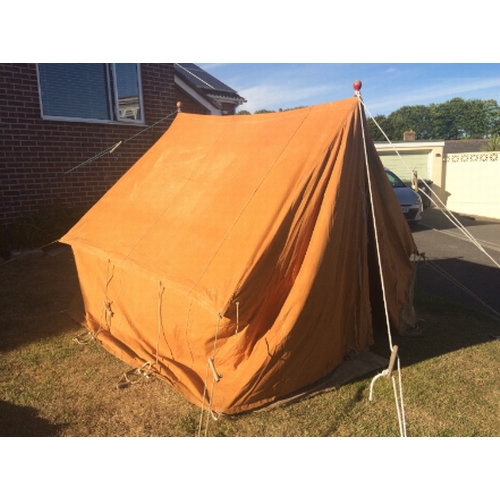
pixel 237 317
pixel 215 378
pixel 160 327
pixel 89 336
pixel 134 376
pixel 109 312
pixel 84 338
pixel 106 305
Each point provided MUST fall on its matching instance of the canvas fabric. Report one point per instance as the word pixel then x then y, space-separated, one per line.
pixel 245 240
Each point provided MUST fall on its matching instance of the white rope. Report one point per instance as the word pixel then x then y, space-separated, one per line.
pixel 200 424
pixel 403 415
pixel 398 401
pixel 441 206
pixel 451 217
pixel 400 409
pixel 374 219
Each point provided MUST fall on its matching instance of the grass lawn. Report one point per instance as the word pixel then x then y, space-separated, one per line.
pixel 52 386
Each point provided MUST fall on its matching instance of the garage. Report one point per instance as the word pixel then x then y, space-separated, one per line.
pixel 406 163
pixel 424 157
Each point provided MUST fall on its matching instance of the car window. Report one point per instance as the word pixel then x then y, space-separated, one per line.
pixel 395 181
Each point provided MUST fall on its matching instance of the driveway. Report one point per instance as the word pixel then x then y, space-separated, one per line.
pixel 450 252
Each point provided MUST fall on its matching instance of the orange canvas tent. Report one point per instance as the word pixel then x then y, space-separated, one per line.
pixel 237 257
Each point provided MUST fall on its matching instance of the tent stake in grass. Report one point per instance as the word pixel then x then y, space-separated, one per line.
pixel 394 354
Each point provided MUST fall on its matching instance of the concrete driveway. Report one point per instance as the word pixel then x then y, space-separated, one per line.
pixel 450 252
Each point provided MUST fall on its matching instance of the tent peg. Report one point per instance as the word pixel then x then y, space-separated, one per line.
pixel 392 360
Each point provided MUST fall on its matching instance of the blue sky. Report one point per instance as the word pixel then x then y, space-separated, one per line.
pixel 386 87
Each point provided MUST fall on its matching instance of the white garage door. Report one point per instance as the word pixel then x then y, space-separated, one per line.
pixel 408 162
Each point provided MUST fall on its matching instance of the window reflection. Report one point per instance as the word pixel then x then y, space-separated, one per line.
pixel 128 92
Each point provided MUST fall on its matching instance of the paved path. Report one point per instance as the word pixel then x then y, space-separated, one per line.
pixel 451 250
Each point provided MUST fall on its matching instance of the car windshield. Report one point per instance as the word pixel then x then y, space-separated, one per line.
pixel 395 181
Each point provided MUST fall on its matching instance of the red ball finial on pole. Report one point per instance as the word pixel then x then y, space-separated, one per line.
pixel 357 85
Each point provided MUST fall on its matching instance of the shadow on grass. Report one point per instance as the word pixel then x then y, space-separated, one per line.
pixel 23 421
pixel 472 282
pixel 346 410
pixel 446 327
pixel 35 291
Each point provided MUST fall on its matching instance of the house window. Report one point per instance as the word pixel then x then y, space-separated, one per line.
pixel 91 92
pixel 127 92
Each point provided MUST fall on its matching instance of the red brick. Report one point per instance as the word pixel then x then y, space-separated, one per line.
pixel 36 151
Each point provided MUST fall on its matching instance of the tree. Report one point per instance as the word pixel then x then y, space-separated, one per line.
pixel 416 118
pixel 373 127
pixel 446 118
pixel 453 119
pixel 296 107
pixel 493 144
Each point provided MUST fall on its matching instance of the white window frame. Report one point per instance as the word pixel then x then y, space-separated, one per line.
pixel 139 90
pixel 112 96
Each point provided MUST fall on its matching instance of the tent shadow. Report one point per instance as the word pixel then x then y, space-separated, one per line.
pixel 449 318
pixel 348 408
pixel 462 282
pixel 434 217
pixel 23 421
pixel 35 291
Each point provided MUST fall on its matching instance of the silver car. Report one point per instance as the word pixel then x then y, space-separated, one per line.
pixel 410 201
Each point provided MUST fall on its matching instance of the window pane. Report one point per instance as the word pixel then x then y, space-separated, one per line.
pixel 128 93
pixel 75 90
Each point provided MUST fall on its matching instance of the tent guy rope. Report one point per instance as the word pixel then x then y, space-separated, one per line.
pixel 388 373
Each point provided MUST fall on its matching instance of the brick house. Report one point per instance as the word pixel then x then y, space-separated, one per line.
pixel 54 118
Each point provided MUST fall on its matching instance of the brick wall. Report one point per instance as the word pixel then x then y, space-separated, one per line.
pixel 190 105
pixel 35 153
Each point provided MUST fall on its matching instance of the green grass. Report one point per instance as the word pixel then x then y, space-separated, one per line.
pixel 53 386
